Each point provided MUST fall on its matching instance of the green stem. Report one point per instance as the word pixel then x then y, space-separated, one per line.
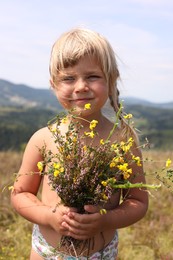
pixel 128 185
pixel 116 122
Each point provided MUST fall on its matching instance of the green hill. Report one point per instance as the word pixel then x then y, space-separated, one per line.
pixel 154 123
pixel 24 109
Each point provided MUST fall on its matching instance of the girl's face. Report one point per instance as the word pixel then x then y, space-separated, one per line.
pixel 81 84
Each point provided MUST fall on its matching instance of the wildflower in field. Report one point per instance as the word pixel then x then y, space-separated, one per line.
pixel 84 147
pixel 56 165
pixel 103 211
pixel 87 106
pixel 112 164
pixel 93 124
pixel 128 116
pixel 53 129
pixel 168 162
pixel 64 120
pixel 40 166
pixel 137 160
pixel 11 188
pixel 104 183
pixel 102 141
pixel 90 134
pixel 125 146
pixel 56 173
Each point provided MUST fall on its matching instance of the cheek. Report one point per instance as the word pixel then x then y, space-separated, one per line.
pixel 63 97
pixel 103 92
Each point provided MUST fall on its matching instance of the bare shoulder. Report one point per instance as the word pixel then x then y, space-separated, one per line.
pixel 38 140
pixel 32 153
pixel 40 137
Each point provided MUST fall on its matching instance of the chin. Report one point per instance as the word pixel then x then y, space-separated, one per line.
pixel 81 112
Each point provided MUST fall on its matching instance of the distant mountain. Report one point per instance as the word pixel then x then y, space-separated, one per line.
pixel 19 95
pixel 142 102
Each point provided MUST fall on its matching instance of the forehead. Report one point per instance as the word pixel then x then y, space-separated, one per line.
pixel 86 64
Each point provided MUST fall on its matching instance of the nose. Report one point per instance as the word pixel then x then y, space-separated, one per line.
pixel 81 85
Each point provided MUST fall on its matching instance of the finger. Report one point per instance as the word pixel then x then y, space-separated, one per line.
pixel 73 210
pixel 81 218
pixel 77 234
pixel 72 223
pixel 77 227
pixel 91 208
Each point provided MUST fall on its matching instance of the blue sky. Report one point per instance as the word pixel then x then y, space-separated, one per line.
pixel 140 31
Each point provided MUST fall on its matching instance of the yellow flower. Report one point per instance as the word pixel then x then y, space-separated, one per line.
pixel 87 106
pixel 58 168
pixel 128 116
pixel 56 165
pixel 61 149
pixel 119 159
pixel 126 175
pixel 105 197
pixel 93 124
pixel 56 173
pixel 103 211
pixel 64 120
pixel 129 170
pixel 130 140
pixel 84 147
pixel 40 166
pixel 53 128
pixel 168 162
pixel 11 188
pixel 102 141
pixel 104 183
pixel 125 147
pixel 112 164
pixel 74 139
pixel 124 168
pixel 137 160
pixel 90 134
pixel 61 169
pixel 114 146
pixel 112 180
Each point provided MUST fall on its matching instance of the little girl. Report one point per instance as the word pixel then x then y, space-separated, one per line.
pixel 83 70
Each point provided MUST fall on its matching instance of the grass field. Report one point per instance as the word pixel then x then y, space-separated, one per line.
pixel 149 239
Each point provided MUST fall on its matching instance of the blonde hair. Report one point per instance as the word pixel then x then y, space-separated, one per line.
pixel 76 44
pixel 79 42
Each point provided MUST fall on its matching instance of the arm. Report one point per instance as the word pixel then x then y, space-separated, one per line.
pixel 24 196
pixel 131 210
pixel 135 201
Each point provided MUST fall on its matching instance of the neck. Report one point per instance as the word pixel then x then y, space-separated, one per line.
pixel 85 123
pixel 86 119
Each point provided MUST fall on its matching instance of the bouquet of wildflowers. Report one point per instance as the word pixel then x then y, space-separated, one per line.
pixel 86 174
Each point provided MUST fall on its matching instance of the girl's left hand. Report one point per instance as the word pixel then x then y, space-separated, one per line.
pixel 84 226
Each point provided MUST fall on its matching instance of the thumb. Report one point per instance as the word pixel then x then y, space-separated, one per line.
pixel 91 208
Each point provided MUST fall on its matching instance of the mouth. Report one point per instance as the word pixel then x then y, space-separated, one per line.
pixel 84 100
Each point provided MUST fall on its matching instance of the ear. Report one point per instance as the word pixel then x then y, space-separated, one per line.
pixel 52 84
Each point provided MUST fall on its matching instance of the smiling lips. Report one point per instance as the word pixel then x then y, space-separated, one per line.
pixel 81 100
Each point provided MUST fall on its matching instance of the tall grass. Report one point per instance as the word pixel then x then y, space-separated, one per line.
pixel 149 239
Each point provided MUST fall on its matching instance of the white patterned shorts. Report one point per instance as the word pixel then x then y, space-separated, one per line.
pixel 40 245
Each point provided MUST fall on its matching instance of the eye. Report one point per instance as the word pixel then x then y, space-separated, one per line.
pixel 68 79
pixel 94 77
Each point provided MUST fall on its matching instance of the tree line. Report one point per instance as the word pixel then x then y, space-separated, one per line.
pixel 18 124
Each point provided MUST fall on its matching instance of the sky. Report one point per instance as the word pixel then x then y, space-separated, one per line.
pixel 140 32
